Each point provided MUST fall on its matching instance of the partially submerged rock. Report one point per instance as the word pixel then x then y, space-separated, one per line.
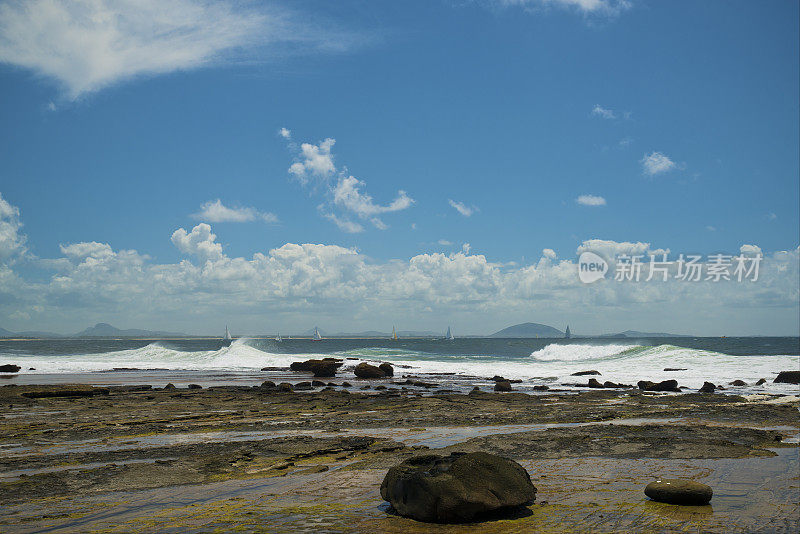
pixel 761 381
pixel 9 368
pixel 502 385
pixel 708 387
pixel 365 370
pixel 456 488
pixel 666 385
pixel 593 383
pixel 325 367
pixel 387 369
pixel 788 377
pixel 584 373
pixel 738 383
pixel 679 491
pixel 668 369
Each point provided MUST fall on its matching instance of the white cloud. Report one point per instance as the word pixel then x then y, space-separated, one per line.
pixel 87 45
pixel 600 111
pixel 199 242
pixel 79 252
pixel 591 200
pixel 585 7
pixel 462 208
pixel 345 225
pixel 445 243
pixel 343 191
pixel 215 211
pixel 465 248
pixel 771 216
pixel 711 228
pixel 656 163
pixel 12 241
pixel 285 133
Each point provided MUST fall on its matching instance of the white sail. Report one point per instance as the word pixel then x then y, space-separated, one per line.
pixel 449 334
pixel 278 338
pixel 227 334
pixel 316 334
pixel 394 333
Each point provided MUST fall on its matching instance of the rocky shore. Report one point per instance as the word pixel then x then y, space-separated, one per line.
pixel 77 458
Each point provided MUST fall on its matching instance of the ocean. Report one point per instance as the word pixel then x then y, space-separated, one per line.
pixel 456 364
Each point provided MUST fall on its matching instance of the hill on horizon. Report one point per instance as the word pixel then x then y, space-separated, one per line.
pixel 106 330
pixel 529 330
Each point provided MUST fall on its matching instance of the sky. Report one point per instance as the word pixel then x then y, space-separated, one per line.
pixel 366 163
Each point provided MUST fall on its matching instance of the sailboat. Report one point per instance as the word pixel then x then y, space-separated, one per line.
pixel 316 336
pixel 394 333
pixel 227 340
pixel 449 335
pixel 278 339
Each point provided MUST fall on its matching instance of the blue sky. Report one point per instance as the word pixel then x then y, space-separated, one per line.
pixel 676 122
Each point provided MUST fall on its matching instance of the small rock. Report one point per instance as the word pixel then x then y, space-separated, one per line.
pixel 541 388
pixel 666 385
pixel 318 383
pixel 9 368
pixel 456 488
pixel 674 369
pixel 679 491
pixel 326 367
pixel 593 383
pixel 387 369
pixel 268 384
pixel 502 385
pixel 285 387
pixel 378 388
pixel 170 386
pixel 609 384
pixel 584 373
pixel 787 377
pixel 365 370
pixel 302 386
pixel 708 387
pixel 761 381
pixel 195 386
pixel 476 388
pixel 347 385
pixel 739 383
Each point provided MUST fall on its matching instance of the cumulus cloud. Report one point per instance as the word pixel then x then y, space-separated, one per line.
pixel 285 133
pixel 462 208
pixel 656 163
pixel 600 111
pixel 215 211
pixel 591 200
pixel 86 45
pixel 199 242
pixel 12 241
pixel 315 166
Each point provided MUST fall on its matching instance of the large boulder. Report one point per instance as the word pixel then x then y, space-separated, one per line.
pixel 9 368
pixel 666 385
pixel 387 369
pixel 502 385
pixel 679 491
pixel 456 488
pixel 788 377
pixel 326 367
pixel 365 370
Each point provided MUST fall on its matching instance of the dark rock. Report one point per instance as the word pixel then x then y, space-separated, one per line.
pixel 666 385
pixel 365 370
pixel 365 387
pixel 9 368
pixel 476 388
pixel 195 386
pixel 387 369
pixel 541 388
pixel 708 387
pixel 674 369
pixel 347 385
pixel 326 367
pixel 302 386
pixel 584 373
pixel 609 384
pixel 31 368
pixel 456 488
pixel 285 387
pixel 761 381
pixel 593 383
pixel 170 386
pixel 679 491
pixel 739 383
pixel 502 385
pixel 318 383
pixel 268 384
pixel 378 388
pixel 787 377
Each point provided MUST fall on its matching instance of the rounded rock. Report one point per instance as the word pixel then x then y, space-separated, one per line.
pixel 679 491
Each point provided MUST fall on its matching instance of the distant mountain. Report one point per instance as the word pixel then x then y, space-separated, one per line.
pixel 27 333
pixel 529 330
pixel 373 333
pixel 636 333
pixel 106 330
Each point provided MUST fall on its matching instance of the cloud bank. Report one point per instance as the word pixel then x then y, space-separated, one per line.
pixel 216 212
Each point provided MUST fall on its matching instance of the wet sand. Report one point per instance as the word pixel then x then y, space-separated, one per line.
pixel 242 458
